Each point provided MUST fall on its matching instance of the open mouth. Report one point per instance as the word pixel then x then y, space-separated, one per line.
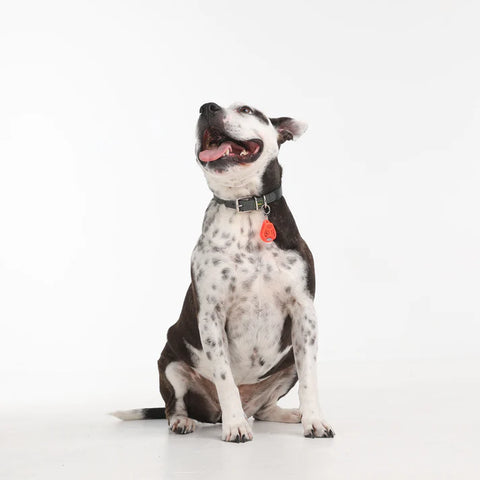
pixel 224 151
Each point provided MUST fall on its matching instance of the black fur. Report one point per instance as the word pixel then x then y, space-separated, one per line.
pixel 153 413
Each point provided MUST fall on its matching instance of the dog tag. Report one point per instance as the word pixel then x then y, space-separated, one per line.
pixel 268 233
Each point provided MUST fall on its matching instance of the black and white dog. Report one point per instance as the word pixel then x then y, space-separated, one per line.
pixel 247 331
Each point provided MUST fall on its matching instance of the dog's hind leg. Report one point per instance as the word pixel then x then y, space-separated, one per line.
pixel 274 413
pixel 188 397
pixel 174 387
pixel 261 399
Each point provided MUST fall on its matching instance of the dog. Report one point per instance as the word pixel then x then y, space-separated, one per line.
pixel 247 330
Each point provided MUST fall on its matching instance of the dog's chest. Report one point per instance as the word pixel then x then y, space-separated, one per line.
pixel 253 281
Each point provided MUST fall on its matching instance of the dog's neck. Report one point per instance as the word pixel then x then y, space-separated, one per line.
pixel 272 176
pixel 257 185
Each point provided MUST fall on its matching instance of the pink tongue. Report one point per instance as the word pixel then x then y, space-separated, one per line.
pixel 215 153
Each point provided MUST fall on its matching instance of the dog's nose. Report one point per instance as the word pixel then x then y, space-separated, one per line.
pixel 209 108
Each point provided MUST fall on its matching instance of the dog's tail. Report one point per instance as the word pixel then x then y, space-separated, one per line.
pixel 140 414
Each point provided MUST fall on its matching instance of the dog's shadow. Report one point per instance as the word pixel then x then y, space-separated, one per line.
pixel 206 431
pixel 204 454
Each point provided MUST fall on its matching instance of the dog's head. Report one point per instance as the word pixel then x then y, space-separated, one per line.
pixel 236 144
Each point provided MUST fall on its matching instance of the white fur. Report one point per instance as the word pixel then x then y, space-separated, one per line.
pixel 245 289
pixel 256 310
pixel 240 330
pixel 243 180
pixel 128 414
pixel 175 375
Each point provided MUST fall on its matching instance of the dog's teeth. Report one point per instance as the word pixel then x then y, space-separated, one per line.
pixel 243 152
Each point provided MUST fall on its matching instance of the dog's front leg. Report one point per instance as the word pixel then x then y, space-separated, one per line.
pixel 304 338
pixel 211 323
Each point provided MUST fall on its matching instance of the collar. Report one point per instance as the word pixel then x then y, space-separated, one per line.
pixel 247 204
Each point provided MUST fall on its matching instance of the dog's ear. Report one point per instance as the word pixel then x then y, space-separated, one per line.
pixel 288 128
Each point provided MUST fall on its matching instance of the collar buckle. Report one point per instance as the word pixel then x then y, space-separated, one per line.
pixel 239 206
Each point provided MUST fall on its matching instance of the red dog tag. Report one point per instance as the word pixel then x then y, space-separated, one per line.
pixel 267 232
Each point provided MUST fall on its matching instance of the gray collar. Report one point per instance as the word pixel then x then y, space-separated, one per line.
pixel 247 204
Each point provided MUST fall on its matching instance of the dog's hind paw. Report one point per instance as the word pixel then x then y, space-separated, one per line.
pixel 182 425
pixel 277 414
pixel 238 432
pixel 317 428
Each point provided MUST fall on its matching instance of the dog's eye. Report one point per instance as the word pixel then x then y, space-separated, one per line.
pixel 246 110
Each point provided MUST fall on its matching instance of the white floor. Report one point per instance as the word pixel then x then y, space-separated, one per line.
pixel 394 422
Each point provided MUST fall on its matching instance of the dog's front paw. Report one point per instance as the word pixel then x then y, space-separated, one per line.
pixel 316 427
pixel 238 432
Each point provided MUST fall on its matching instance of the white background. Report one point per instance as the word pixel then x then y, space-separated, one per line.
pixel 101 201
